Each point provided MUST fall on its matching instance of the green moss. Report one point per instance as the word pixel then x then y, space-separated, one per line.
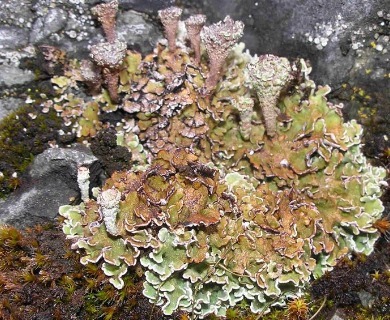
pixel 23 134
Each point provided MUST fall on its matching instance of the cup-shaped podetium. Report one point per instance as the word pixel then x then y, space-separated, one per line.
pixel 269 75
pixel 219 38
pixel 109 56
pixel 194 25
pixel 170 18
pixel 106 15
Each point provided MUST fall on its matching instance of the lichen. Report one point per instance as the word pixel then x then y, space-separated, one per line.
pixel 244 193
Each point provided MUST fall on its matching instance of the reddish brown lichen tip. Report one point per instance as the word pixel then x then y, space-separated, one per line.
pixel 219 39
pixel 105 10
pixel 196 21
pixel 109 55
pixel 223 35
pixel 106 14
pixel 170 18
pixel 170 15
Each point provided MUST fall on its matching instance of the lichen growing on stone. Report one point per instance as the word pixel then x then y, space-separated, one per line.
pixel 246 193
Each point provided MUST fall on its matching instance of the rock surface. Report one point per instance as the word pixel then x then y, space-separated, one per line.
pixel 12 75
pixel 51 182
pixel 9 104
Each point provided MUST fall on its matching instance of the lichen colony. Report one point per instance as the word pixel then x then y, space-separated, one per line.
pixel 246 182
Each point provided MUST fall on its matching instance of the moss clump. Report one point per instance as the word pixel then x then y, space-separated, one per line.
pixel 112 156
pixel 355 276
pixel 40 277
pixel 24 134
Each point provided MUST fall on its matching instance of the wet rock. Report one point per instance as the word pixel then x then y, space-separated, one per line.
pixel 148 6
pixel 51 182
pixel 51 23
pixel 12 37
pixel 12 75
pixel 16 13
pixel 137 31
pixel 366 298
pixel 338 315
pixel 9 104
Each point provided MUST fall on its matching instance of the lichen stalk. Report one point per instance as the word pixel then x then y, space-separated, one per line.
pixel 244 105
pixel 83 182
pixel 170 18
pixel 110 56
pixel 111 78
pixel 106 14
pixel 194 25
pixel 269 75
pixel 219 39
pixel 92 76
pixel 109 208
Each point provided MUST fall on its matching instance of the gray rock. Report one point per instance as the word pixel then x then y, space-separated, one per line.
pixel 134 28
pixel 51 23
pixel 9 104
pixel 62 160
pixel 366 299
pixel 51 182
pixel 37 204
pixel 12 37
pixel 16 13
pixel 12 75
pixel 338 315
pixel 147 6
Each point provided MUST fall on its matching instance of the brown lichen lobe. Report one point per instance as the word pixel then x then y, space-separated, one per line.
pixel 219 38
pixel 269 75
pixel 106 14
pixel 170 18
